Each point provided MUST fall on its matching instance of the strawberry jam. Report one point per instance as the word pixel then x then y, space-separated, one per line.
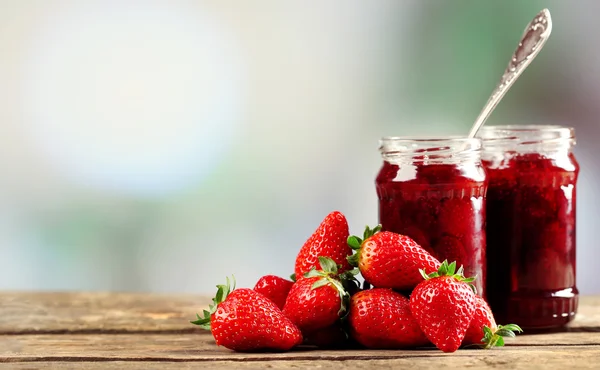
pixel 433 190
pixel 531 224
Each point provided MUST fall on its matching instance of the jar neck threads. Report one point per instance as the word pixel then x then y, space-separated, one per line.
pixel 447 150
pixel 543 139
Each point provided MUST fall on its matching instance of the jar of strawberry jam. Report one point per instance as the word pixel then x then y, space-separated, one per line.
pixel 531 224
pixel 433 190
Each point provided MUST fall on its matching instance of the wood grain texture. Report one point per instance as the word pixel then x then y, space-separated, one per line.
pixel 546 360
pixel 588 315
pixel 97 312
pixel 128 313
pixel 201 347
pixel 141 331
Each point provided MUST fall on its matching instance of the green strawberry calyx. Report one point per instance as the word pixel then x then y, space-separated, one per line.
pixel 222 293
pixel 355 243
pixel 447 269
pixel 495 338
pixel 329 274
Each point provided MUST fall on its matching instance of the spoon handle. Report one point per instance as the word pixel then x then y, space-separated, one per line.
pixel 535 35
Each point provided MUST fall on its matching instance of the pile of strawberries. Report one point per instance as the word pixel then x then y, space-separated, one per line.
pixel 415 301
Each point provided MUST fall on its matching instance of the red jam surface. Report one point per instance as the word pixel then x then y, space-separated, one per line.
pixel 441 207
pixel 531 240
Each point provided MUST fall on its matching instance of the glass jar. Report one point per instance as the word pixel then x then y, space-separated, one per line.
pixel 433 190
pixel 531 224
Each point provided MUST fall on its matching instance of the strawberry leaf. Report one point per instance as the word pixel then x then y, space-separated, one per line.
pixel 344 296
pixel 293 277
pixel 446 269
pixel 328 265
pixel 219 296
pixel 222 293
pixel 443 270
pixel 353 259
pixel 495 338
pixel 319 283
pixel 354 242
pixel 313 272
pixel 505 333
pixel 349 275
pixel 353 272
pixel 487 334
pixel 452 268
pixel 370 232
pixel 203 322
pixel 511 327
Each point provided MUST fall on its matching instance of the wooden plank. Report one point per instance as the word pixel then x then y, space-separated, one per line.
pixel 514 358
pixel 546 360
pixel 130 313
pixel 97 312
pixel 588 315
pixel 193 347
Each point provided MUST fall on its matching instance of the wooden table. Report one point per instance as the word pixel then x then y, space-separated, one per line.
pixel 141 331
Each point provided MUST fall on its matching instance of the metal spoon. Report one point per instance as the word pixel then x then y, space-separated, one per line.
pixel 535 36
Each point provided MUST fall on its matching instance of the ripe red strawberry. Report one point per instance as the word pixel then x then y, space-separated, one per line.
pixel 389 260
pixel 381 318
pixel 274 288
pixel 483 330
pixel 444 305
pixel 318 300
pixel 245 320
pixel 329 240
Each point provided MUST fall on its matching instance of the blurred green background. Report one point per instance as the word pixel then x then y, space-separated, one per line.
pixel 161 145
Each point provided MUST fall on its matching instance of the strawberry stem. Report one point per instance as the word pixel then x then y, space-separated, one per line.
pixel 222 293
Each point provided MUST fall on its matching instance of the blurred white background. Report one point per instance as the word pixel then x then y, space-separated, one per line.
pixel 161 145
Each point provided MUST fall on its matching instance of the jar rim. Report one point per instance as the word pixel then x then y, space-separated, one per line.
pixel 434 140
pixel 545 131
pixel 434 149
pixel 527 138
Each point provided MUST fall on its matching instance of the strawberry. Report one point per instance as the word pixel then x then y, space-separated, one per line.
pixel 483 330
pixel 274 288
pixel 245 320
pixel 381 318
pixel 329 240
pixel 389 260
pixel 444 305
pixel 317 300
